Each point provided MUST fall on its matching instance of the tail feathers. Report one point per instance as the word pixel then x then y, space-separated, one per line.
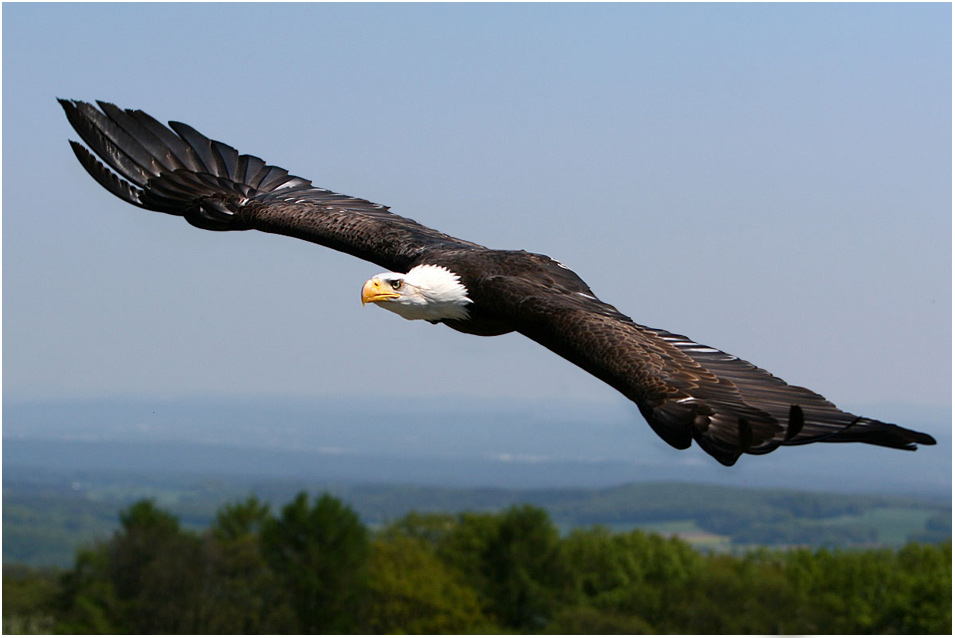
pixel 177 171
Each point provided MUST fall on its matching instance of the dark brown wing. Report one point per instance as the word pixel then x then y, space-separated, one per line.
pixel 181 172
pixel 686 391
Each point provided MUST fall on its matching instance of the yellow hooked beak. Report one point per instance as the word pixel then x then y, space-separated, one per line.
pixel 376 290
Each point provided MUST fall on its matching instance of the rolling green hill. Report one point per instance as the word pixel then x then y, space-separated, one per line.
pixel 47 514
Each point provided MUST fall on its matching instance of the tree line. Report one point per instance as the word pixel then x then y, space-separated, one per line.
pixel 314 567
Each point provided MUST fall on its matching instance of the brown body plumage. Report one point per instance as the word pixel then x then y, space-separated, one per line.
pixel 685 390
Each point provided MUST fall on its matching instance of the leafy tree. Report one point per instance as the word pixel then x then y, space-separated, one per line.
pixel 410 591
pixel 522 568
pixel 632 575
pixel 511 559
pixel 924 582
pixel 153 566
pixel 320 554
pixel 241 520
pixel 877 591
pixel 734 595
pixel 88 603
pixel 141 581
pixel 599 562
pixel 464 546
pixel 314 569
pixel 241 594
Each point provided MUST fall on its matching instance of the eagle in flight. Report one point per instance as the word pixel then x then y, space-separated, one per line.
pixel 686 391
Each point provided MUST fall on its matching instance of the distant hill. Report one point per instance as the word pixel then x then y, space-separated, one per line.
pixel 68 467
pixel 446 441
pixel 48 514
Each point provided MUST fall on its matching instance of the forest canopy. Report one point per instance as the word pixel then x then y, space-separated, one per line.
pixel 314 567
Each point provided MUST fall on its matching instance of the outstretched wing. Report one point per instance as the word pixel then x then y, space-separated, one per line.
pixel 687 391
pixel 179 171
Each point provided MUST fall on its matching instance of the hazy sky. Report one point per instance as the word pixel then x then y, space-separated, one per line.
pixel 771 180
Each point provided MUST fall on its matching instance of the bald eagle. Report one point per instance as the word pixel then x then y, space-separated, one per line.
pixel 686 391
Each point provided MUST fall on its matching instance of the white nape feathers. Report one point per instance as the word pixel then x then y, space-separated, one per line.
pixel 426 292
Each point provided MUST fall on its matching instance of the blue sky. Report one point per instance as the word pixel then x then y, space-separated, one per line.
pixel 771 180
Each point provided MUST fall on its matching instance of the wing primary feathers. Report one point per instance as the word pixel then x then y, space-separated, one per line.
pixel 91 126
pixel 248 167
pixel 228 158
pixel 179 171
pixel 138 142
pixel 168 148
pixel 105 177
pixel 200 145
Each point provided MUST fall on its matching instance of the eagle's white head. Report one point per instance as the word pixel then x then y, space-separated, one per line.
pixel 426 292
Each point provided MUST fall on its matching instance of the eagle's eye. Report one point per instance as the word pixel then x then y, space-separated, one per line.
pixel 396 284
